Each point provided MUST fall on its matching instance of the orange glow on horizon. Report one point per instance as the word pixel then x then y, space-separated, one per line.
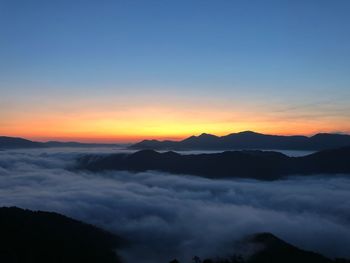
pixel 169 131
pixel 158 122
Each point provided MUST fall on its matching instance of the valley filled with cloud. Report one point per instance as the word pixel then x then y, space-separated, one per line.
pixel 164 216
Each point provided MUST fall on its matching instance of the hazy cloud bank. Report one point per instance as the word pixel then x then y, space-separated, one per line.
pixel 166 216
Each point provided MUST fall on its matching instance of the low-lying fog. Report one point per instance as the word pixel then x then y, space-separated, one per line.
pixel 166 216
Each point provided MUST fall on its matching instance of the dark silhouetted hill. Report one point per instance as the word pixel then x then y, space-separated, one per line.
pixel 20 143
pixel 264 165
pixel 271 249
pixel 42 237
pixel 241 140
pixel 249 140
pixel 14 143
pixel 267 248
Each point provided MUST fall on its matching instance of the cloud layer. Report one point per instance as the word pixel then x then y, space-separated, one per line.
pixel 166 216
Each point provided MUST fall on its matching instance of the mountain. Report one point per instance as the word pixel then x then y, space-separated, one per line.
pixel 274 250
pixel 14 143
pixel 241 140
pixel 249 140
pixel 263 165
pixel 267 248
pixel 41 237
pixel 20 143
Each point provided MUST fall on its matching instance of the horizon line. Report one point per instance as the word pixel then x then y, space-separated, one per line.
pixel 108 140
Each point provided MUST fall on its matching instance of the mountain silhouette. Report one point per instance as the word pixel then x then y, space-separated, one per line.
pixel 20 143
pixel 14 143
pixel 271 249
pixel 267 248
pixel 263 165
pixel 249 140
pixel 41 237
pixel 234 141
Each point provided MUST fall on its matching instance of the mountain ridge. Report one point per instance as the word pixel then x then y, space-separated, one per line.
pixel 7 142
pixel 249 140
pixel 255 164
pixel 205 141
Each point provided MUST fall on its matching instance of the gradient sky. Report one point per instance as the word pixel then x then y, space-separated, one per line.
pixel 127 70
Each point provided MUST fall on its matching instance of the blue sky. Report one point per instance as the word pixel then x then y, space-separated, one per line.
pixel 280 55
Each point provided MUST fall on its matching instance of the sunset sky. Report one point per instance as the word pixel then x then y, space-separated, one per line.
pixel 122 71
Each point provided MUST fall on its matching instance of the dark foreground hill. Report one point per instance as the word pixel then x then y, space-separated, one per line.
pixel 262 165
pixel 42 237
pixel 249 140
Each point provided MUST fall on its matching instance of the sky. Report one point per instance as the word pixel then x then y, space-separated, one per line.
pixel 122 71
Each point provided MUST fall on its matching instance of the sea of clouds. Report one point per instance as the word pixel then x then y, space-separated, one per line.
pixel 166 216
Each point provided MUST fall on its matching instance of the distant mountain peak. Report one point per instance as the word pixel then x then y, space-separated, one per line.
pixel 248 132
pixel 207 135
pixel 264 237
